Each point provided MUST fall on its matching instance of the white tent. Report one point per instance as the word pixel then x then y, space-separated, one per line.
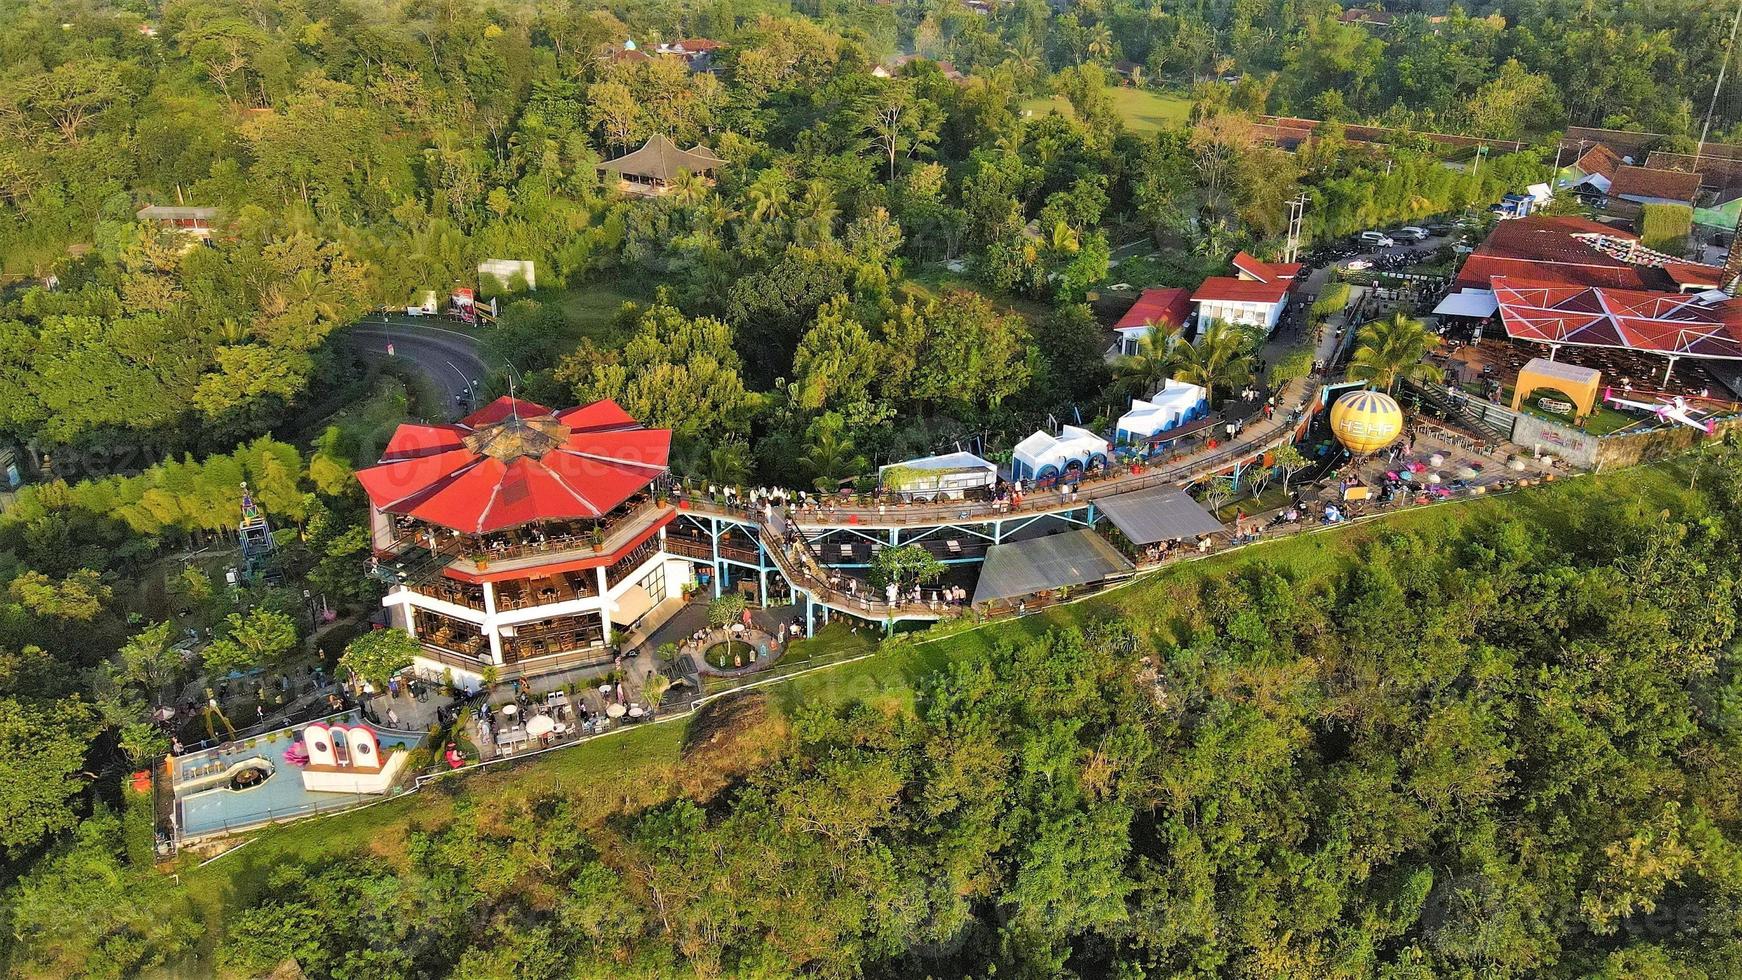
pixel 946 476
pixel 1043 456
pixel 1177 403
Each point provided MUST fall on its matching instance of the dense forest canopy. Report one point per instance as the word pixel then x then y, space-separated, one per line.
pixel 360 154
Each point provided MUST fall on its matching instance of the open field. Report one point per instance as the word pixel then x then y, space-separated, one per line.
pixel 591 310
pixel 937 278
pixel 1143 110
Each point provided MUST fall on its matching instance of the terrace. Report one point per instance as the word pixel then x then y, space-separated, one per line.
pixel 424 554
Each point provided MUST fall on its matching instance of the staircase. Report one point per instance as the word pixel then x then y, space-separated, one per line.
pixel 1483 417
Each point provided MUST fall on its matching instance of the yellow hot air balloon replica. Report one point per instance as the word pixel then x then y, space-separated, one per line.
pixel 1366 421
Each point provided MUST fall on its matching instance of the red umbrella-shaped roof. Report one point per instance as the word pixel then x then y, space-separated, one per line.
pixel 513 462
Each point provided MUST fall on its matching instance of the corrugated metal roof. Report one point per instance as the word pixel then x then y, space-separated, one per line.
pixel 1023 568
pixel 1158 514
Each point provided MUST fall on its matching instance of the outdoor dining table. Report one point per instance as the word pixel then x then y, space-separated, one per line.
pixel 635 711
pixel 510 710
pixel 614 710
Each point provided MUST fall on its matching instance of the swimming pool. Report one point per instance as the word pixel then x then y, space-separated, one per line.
pixel 205 803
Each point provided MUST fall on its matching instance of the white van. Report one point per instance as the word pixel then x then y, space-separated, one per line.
pixel 1377 239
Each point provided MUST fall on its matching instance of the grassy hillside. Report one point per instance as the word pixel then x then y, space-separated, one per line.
pixel 698 756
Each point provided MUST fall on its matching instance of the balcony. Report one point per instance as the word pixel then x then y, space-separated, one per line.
pixel 630 562
pixel 698 546
pixel 452 636
pixel 548 589
pixel 422 555
pixel 557 635
pixel 447 590
pixel 534 549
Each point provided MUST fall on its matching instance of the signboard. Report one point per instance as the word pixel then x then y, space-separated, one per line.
pixel 509 274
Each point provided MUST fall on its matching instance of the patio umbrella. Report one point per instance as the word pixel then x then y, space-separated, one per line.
pixel 1436 460
pixel 540 726
pixel 1517 465
pixel 1433 478
pixel 1467 473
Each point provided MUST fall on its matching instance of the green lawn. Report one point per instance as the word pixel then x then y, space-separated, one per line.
pixel 1603 420
pixel 936 278
pixel 591 310
pixel 1143 110
pixel 369 421
pixel 641 766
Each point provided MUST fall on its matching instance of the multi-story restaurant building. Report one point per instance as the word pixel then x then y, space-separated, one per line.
pixel 525 538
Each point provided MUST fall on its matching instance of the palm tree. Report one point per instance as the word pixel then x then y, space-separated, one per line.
pixel 816 213
pixel 769 194
pixel 1025 60
pixel 687 189
pixel 830 455
pixel 1148 367
pixel 1100 46
pixel 728 463
pixel 1387 351
pixel 1217 357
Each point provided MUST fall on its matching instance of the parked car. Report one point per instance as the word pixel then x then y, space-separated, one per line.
pixel 1377 239
pixel 1410 233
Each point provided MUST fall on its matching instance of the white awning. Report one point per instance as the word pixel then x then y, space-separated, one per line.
pixel 1469 302
pixel 631 606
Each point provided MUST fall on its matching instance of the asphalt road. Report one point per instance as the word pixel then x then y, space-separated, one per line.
pixel 448 358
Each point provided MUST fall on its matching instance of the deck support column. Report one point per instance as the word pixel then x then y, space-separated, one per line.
pixel 604 606
pixel 714 542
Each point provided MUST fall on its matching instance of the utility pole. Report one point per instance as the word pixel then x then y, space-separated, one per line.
pixel 1717 87
pixel 1296 217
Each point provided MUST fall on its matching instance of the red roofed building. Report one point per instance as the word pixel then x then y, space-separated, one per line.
pixel 1166 307
pixel 1645 185
pixel 1254 296
pixel 1247 267
pixel 1675 325
pixel 696 52
pixel 519 535
pixel 1595 169
pixel 1569 251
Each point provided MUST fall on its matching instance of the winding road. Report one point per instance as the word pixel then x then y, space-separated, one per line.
pixel 449 358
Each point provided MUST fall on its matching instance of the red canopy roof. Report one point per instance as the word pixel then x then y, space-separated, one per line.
pixel 513 462
pixel 1169 306
pixel 1660 323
